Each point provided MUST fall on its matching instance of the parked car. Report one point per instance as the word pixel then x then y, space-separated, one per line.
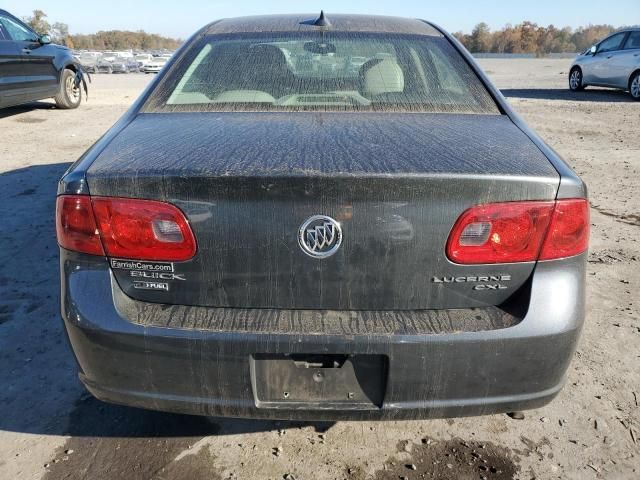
pixel 125 65
pixel 32 68
pixel 125 54
pixel 109 56
pixel 89 60
pixel 103 65
pixel 254 239
pixel 614 62
pixel 155 65
pixel 117 65
pixel 143 59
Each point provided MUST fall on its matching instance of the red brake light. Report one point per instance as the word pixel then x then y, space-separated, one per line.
pixel 126 227
pixel 500 233
pixel 569 230
pixel 143 229
pixel 76 226
pixel 520 232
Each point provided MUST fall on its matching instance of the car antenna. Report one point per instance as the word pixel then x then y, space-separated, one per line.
pixel 322 21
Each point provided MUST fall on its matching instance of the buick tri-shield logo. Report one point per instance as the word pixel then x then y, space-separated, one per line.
pixel 320 236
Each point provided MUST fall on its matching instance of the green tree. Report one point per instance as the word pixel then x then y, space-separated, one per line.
pixel 480 38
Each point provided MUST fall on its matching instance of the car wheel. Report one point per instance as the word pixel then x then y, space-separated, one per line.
pixel 634 86
pixel 70 94
pixel 575 80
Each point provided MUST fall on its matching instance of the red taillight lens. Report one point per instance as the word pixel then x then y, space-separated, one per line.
pixel 76 226
pixel 500 233
pixel 143 229
pixel 569 230
pixel 520 232
pixel 126 227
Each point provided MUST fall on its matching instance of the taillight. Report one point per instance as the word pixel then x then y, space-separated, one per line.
pixel 131 228
pixel 569 230
pixel 76 226
pixel 513 232
pixel 143 229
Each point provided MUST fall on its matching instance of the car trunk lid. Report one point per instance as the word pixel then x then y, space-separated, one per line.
pixel 395 184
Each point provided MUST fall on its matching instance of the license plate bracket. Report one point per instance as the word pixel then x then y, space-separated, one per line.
pixel 320 381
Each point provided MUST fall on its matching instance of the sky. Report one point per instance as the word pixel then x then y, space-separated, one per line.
pixel 181 18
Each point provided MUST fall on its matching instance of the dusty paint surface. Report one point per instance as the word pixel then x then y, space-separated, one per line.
pixel 590 431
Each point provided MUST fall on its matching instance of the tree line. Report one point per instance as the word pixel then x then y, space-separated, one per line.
pixel 528 37
pixel 102 40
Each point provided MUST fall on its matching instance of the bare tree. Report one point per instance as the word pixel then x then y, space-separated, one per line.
pixel 37 22
pixel 59 32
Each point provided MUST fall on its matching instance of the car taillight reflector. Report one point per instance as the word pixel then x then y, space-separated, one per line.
pixel 569 230
pixel 143 229
pixel 125 227
pixel 76 226
pixel 514 232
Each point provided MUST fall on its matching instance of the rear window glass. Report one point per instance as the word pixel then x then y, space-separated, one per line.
pixel 330 71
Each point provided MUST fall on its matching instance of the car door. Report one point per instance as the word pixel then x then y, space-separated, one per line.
pixel 11 77
pixel 608 49
pixel 625 61
pixel 38 77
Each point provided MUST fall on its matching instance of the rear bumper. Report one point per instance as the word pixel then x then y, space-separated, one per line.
pixel 209 371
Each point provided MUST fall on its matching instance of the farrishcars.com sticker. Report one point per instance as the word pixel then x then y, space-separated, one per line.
pixel 138 265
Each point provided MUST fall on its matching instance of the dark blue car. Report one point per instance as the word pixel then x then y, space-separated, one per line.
pixel 32 68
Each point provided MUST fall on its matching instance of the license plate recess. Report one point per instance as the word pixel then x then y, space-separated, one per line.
pixel 319 381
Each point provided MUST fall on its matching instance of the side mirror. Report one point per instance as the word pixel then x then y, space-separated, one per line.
pixel 593 50
pixel 44 39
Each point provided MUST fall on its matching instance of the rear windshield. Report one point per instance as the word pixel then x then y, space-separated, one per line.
pixel 322 71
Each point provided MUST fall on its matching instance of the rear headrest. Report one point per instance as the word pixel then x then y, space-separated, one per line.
pixel 382 75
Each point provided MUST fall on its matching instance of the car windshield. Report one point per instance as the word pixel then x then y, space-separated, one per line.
pixel 330 71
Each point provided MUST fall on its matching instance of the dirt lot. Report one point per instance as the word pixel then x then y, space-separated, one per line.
pixel 50 428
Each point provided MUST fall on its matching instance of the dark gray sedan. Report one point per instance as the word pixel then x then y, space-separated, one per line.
pixel 322 218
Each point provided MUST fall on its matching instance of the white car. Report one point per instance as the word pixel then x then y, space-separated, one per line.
pixel 155 65
pixel 143 59
pixel 109 56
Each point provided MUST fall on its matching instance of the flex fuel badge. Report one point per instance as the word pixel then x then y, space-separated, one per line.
pixel 151 286
pixel 149 275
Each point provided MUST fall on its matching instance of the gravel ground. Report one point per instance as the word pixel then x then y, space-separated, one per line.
pixel 50 428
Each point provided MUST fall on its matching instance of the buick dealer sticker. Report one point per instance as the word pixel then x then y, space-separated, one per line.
pixel 138 265
pixel 146 275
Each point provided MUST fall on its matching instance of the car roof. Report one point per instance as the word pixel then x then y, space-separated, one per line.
pixel 338 23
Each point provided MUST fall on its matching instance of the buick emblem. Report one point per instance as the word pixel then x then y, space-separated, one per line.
pixel 320 236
